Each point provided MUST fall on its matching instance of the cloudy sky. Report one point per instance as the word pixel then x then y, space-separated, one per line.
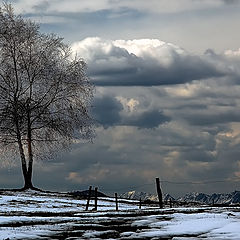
pixel 167 101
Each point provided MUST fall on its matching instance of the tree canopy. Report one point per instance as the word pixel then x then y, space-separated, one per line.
pixel 45 94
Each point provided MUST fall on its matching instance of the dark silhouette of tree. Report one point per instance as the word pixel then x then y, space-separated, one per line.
pixel 45 94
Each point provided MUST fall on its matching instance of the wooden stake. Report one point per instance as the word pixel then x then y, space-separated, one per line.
pixel 116 199
pixel 140 203
pixel 89 197
pixel 159 192
pixel 170 203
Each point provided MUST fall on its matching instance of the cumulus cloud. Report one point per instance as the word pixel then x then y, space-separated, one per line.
pixel 115 111
pixel 143 62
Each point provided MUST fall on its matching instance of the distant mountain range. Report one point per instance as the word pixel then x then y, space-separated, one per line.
pixel 144 196
pixel 215 198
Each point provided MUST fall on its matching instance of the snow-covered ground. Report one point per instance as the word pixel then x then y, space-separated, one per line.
pixel 35 215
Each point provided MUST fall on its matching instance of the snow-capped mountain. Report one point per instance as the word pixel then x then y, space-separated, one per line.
pixel 144 196
pixel 215 198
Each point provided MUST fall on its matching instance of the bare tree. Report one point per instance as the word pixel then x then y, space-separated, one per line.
pixel 45 94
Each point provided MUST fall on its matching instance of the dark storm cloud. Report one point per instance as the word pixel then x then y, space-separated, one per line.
pixel 148 119
pixel 142 73
pixel 145 62
pixel 106 110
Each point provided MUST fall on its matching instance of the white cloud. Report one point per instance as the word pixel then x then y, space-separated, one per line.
pixel 95 48
pixel 91 48
pixel 150 49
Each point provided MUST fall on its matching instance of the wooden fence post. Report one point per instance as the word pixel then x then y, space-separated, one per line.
pixel 140 203
pixel 96 198
pixel 170 203
pixel 159 192
pixel 89 196
pixel 116 199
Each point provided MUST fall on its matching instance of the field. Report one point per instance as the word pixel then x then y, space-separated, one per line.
pixel 36 215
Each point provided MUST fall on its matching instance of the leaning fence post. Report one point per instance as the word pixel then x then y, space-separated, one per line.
pixel 116 199
pixel 159 192
pixel 96 198
pixel 89 196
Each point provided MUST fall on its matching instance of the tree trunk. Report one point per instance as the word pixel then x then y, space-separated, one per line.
pixel 30 165
pixel 27 175
pixel 23 161
pixel 26 170
pixel 28 183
